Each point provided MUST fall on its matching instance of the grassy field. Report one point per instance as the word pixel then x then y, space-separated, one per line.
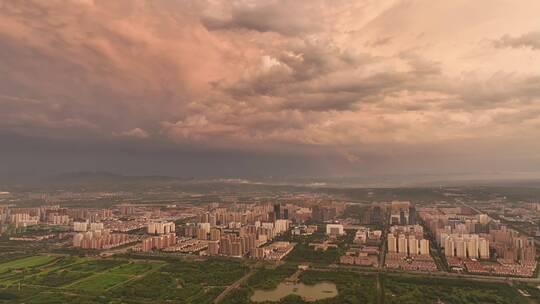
pixel 405 290
pixel 352 287
pixel 97 265
pixel 94 280
pixel 389 289
pixel 25 263
pixel 136 268
pixel 176 280
pixel 100 282
pixel 57 278
pixel 181 281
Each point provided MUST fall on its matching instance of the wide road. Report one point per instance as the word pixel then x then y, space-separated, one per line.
pixel 233 286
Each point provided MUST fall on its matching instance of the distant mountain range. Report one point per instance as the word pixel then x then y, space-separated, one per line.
pixel 104 176
pixel 98 177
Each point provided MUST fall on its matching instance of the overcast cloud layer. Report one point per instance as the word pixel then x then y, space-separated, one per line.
pixel 270 87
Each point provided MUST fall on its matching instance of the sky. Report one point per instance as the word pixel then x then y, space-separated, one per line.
pixel 270 88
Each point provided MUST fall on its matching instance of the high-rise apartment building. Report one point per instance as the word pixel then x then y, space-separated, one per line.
pixel 215 234
pixel 392 243
pixel 161 227
pixel 424 247
pixel 402 244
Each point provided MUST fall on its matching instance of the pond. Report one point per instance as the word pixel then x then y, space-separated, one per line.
pixel 307 292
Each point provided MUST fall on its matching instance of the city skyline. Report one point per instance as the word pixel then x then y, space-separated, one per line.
pixel 270 88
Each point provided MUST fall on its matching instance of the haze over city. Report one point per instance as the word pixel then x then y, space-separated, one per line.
pixel 449 89
pixel 270 151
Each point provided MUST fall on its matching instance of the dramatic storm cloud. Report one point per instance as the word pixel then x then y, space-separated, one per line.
pixel 270 87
